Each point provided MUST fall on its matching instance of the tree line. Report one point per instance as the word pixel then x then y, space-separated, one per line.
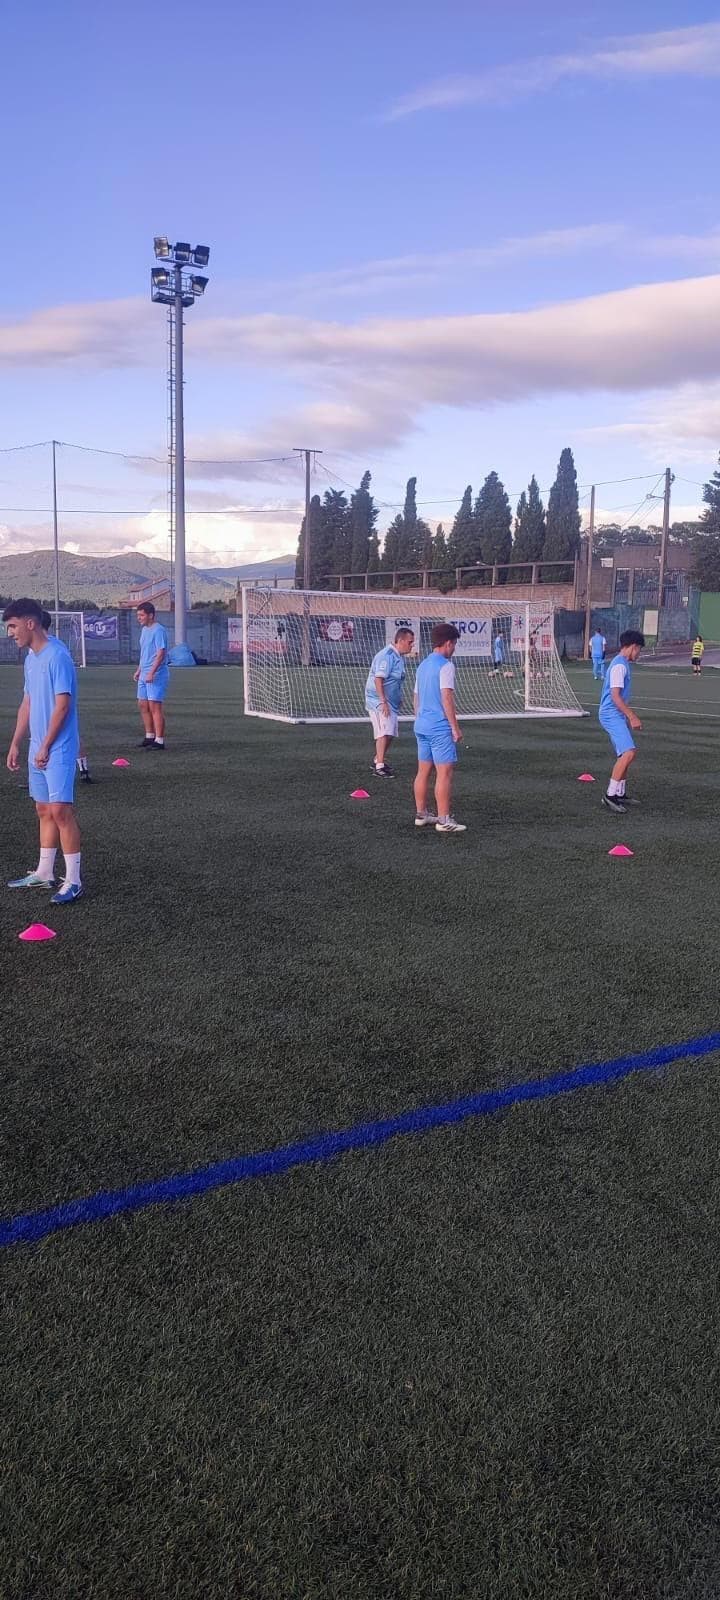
pixel 485 532
pixel 344 537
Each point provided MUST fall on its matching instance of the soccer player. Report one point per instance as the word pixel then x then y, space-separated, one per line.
pixel 49 711
pixel 82 760
pixel 696 655
pixel 383 696
pixel 437 730
pixel 597 653
pixel 498 653
pixel 152 677
pixel 619 720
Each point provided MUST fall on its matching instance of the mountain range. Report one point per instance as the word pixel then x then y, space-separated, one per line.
pixel 106 579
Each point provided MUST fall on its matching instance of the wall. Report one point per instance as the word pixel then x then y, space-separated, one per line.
pixel 709 622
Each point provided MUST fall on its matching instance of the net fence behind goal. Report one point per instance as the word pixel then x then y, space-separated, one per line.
pixel 307 655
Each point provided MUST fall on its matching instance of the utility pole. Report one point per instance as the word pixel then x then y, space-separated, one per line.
pixel 180 636
pixel 302 451
pixel 669 480
pixel 588 585
pixel 56 546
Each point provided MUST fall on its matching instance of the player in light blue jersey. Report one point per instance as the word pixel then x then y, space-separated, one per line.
pixel 383 696
pixel 152 677
pixel 48 711
pixel 437 730
pixel 498 653
pixel 619 720
pixel 597 652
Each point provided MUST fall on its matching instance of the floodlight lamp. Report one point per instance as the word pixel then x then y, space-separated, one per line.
pixel 201 255
pixel 160 278
pixel 199 285
pixel 162 248
pixel 182 251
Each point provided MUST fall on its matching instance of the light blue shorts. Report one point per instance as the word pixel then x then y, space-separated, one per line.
pixel 440 747
pixel 156 690
pixel 619 734
pixel 55 783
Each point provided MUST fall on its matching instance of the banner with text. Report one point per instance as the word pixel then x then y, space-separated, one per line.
pixel 235 635
pixel 100 627
pixel 475 636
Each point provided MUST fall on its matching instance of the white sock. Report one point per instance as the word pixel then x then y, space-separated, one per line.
pixel 159 739
pixel 47 861
pixel 621 787
pixel 72 868
pixel 82 763
pixel 614 786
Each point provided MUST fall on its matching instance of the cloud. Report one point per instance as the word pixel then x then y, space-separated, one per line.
pixel 679 52
pixel 102 333
pixel 683 426
pixel 369 382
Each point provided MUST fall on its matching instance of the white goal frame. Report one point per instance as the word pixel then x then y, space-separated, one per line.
pixel 283 618
pixel 58 617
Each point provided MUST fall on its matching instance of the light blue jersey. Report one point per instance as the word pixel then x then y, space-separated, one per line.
pixel 49 672
pixel 597 646
pixel 390 665
pixel 499 650
pixel 608 710
pixel 434 674
pixel 152 639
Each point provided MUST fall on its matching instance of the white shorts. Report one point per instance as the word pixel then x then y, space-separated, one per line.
pixel 383 727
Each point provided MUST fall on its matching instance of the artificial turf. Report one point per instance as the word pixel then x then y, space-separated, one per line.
pixel 473 1363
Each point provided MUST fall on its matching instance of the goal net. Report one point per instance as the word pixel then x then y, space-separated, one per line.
pixel 307 655
pixel 69 627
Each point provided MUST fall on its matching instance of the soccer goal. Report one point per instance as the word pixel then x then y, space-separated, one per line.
pixel 69 628
pixel 306 655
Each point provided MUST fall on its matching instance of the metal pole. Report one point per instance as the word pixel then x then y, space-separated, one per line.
pixel 588 585
pixel 528 685
pixel 306 552
pixel 180 576
pixel 56 546
pixel 663 545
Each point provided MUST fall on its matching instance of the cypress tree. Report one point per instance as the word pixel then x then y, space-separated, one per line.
pixel 494 521
pixel 529 525
pixel 562 530
pixel 363 516
pixel 464 542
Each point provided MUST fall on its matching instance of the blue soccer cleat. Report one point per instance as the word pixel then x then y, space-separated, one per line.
pixel 66 895
pixel 32 880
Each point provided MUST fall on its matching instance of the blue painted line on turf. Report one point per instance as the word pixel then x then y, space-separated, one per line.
pixel 321 1147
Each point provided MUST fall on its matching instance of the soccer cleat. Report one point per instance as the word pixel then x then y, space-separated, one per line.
pixel 629 800
pixel 85 777
pixel 450 826
pixel 423 819
pixel 382 771
pixel 68 893
pixel 155 746
pixel 31 881
pixel 146 744
pixel 612 802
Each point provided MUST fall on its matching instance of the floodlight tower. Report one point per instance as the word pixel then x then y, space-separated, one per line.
pixel 175 286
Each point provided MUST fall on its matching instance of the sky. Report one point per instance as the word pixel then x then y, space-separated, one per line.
pixel 445 240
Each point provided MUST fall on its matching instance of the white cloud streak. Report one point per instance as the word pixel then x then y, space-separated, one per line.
pixel 678 52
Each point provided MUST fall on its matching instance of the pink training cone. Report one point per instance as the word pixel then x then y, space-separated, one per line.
pixel 37 931
pixel 586 777
pixel 359 794
pixel 121 762
pixel 620 850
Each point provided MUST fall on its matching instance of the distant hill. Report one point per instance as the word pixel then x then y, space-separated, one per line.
pixel 106 579
pixel 279 567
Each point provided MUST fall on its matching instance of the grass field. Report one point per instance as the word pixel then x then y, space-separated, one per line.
pixel 477 1362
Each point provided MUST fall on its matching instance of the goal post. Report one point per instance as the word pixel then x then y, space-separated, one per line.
pixel 306 655
pixel 69 628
